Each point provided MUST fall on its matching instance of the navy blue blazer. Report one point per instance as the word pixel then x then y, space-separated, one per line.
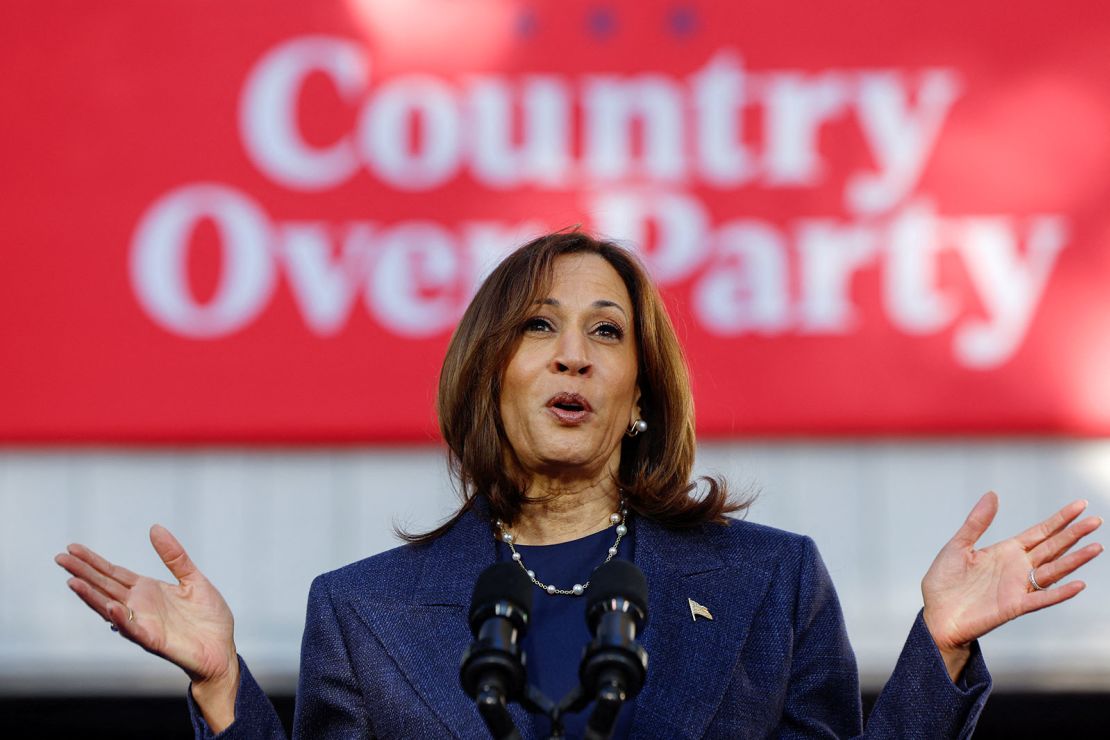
pixel 383 640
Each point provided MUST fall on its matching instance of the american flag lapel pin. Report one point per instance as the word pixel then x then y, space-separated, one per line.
pixel 697 610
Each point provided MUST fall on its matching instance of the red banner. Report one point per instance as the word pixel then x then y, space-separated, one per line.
pixel 258 221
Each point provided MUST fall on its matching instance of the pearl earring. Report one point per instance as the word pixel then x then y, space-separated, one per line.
pixel 636 427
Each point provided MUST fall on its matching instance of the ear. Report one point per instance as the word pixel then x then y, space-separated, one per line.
pixel 635 406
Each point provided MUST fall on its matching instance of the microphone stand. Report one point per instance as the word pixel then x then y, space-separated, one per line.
pixel 611 695
pixel 495 712
pixel 494 709
pixel 610 698
pixel 611 671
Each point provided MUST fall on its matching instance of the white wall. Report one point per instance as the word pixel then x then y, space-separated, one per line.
pixel 262 523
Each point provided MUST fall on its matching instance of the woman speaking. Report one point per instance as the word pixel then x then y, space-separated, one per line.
pixel 566 408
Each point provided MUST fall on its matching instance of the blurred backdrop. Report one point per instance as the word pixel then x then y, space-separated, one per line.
pixel 237 236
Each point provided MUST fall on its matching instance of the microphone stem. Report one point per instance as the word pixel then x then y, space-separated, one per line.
pixel 491 705
pixel 609 699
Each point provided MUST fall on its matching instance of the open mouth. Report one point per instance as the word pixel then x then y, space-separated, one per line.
pixel 569 408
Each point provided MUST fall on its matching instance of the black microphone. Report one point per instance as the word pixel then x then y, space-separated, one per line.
pixel 614 665
pixel 492 671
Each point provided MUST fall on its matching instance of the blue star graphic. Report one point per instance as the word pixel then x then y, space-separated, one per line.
pixel 682 20
pixel 601 22
pixel 526 23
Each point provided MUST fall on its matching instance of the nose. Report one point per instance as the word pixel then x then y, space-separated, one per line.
pixel 571 355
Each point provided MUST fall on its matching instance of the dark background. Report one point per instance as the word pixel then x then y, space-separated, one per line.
pixel 1007 715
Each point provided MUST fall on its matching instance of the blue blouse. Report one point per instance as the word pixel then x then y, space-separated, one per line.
pixel 558 633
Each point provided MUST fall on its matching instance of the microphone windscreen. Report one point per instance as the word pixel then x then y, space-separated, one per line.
pixel 500 582
pixel 617 579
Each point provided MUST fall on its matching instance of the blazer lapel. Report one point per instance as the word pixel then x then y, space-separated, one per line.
pixel 427 635
pixel 690 661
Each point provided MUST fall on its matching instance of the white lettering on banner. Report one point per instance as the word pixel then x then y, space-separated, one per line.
pixel 1009 288
pixel 680 220
pixel 543 156
pixel 899 139
pixel 466 125
pixel 414 289
pixel 747 288
pixel 383 133
pixel 637 145
pixel 415 277
pixel 750 266
pixel 268 112
pixel 911 295
pixel 610 105
pixel 797 106
pixel 324 287
pixel 830 254
pixel 719 93
pixel 158 261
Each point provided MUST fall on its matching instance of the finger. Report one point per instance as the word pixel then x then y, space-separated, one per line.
pixel 1037 600
pixel 126 622
pixel 172 553
pixel 82 570
pixel 1038 533
pixel 123 620
pixel 1050 573
pixel 95 600
pixel 981 516
pixel 102 564
pixel 1061 542
pixel 100 599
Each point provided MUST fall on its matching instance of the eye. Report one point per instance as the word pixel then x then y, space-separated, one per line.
pixel 537 323
pixel 609 330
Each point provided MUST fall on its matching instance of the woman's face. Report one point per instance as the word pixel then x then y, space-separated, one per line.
pixel 569 391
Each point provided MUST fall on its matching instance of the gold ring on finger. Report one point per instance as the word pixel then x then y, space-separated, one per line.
pixel 130 615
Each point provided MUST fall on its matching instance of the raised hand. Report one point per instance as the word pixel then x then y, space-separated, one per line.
pixel 969 592
pixel 187 623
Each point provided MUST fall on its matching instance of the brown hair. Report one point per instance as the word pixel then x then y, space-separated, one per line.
pixel 655 466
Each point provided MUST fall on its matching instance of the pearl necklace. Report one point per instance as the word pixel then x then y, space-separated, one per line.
pixel 619 518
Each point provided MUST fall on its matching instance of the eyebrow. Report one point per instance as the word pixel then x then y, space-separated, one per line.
pixel 600 303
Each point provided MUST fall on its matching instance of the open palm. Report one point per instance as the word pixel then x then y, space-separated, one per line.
pixel 187 623
pixel 969 592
